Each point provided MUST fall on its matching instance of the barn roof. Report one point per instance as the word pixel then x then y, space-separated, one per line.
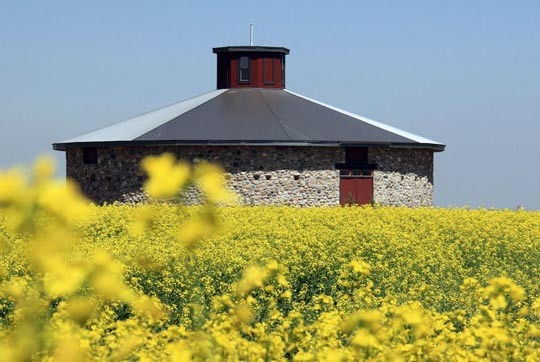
pixel 250 116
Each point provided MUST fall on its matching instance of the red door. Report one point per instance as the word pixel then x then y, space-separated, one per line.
pixel 347 191
pixel 355 190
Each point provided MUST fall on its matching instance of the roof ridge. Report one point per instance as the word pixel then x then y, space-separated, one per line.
pixel 274 114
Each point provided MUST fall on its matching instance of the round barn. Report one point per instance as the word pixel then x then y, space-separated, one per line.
pixel 277 147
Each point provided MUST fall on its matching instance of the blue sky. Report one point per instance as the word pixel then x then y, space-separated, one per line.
pixel 463 73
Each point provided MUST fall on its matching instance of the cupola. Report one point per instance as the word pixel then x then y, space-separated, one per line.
pixel 250 67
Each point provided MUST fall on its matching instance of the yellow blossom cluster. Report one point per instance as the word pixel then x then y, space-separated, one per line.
pixel 163 281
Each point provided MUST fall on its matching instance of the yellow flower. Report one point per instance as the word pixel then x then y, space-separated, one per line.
pixel 63 296
pixel 194 230
pixel 254 277
pixel 80 309
pixel 62 278
pixel 69 350
pixel 369 320
pixel 165 176
pixel 179 352
pixel 44 168
pixel 14 289
pixel 12 186
pixel 63 200
pixel 282 280
pixel 273 265
pixel 245 314
pixel 334 355
pixel 362 338
pixel 211 182
pixel 360 267
pixel 498 302
pixel 286 294
pixel 148 306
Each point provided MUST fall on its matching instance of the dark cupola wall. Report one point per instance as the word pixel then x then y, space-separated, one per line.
pixel 250 67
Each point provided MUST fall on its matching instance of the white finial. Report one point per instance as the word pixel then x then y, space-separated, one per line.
pixel 251 34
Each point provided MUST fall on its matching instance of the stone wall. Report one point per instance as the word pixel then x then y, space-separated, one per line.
pixel 304 176
pixel 260 175
pixel 404 176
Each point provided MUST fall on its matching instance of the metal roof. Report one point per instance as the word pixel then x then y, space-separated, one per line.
pixel 251 48
pixel 250 116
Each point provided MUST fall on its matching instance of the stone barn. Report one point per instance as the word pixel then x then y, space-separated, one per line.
pixel 277 147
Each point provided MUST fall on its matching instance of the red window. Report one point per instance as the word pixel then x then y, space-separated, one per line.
pixel 244 70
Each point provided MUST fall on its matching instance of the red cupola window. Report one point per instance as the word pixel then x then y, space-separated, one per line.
pixel 244 70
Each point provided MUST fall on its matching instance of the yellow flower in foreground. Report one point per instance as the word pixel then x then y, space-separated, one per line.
pixel 254 277
pixel 44 168
pixel 80 309
pixel 165 176
pixel 364 339
pixel 211 182
pixel 360 267
pixel 194 230
pixel 62 278
pixel 12 186
pixel 369 320
pixel 179 352
pixel 63 200
pixel 244 313
pixel 76 290
pixel 69 350
pixel 273 265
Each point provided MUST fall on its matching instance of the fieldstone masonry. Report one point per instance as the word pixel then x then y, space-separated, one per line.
pixel 404 176
pixel 262 175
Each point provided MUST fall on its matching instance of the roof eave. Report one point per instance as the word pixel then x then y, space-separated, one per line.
pixel 64 146
pixel 228 49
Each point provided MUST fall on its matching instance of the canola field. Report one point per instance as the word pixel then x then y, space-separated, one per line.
pixel 227 283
